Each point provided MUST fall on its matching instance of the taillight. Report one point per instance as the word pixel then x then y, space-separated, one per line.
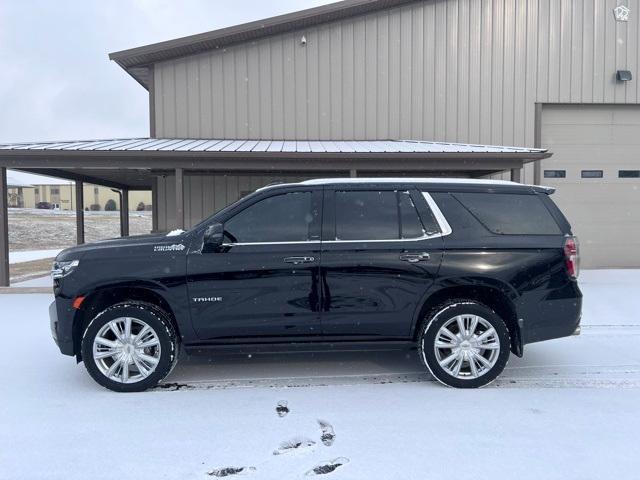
pixel 572 256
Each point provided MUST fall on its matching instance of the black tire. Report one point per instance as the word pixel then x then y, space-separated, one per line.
pixel 442 314
pixel 155 318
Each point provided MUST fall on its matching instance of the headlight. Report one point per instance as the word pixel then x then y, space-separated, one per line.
pixel 62 269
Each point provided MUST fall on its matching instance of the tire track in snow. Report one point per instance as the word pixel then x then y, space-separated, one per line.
pixel 593 376
pixel 558 373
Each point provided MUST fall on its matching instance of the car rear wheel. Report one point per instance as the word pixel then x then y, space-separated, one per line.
pixel 464 344
pixel 130 347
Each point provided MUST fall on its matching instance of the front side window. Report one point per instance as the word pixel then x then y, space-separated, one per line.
pixel 281 218
pixel 376 215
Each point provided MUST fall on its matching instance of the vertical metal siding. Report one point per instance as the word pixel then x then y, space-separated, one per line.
pixel 450 70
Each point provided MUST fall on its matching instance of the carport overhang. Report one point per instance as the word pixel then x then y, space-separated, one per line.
pixel 134 170
pixel 135 164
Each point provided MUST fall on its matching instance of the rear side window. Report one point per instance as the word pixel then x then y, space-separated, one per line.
pixel 510 214
pixel 281 218
pixel 410 223
pixel 376 215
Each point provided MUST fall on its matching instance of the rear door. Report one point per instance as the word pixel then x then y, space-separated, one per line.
pixel 381 251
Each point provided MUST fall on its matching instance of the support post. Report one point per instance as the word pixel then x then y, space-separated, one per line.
pixel 79 212
pixel 179 198
pixel 516 174
pixel 4 229
pixel 353 173
pixel 537 143
pixel 154 205
pixel 124 212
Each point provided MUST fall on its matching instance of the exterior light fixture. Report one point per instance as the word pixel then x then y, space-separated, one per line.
pixel 624 75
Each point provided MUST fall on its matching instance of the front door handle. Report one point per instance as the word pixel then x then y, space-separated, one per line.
pixel 414 257
pixel 299 260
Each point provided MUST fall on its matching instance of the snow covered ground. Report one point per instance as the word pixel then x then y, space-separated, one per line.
pixel 44 281
pixel 568 410
pixel 30 255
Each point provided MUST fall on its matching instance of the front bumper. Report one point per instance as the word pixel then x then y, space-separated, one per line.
pixel 61 315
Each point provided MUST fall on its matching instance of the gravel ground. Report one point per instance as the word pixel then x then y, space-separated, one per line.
pixel 32 229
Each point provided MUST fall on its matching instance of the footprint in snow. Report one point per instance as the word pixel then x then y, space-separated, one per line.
pixel 282 409
pixel 328 434
pixel 229 471
pixel 295 444
pixel 328 467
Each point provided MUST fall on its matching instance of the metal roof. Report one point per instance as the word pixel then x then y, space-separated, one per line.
pixel 137 60
pixel 133 162
pixel 271 147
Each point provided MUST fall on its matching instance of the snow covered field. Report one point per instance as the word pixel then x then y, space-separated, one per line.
pixel 568 410
pixel 34 229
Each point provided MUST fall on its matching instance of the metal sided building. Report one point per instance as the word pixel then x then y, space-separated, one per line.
pixel 386 87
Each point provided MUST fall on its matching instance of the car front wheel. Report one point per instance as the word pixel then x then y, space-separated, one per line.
pixel 130 347
pixel 464 344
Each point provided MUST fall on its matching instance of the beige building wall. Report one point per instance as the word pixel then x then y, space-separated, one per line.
pixel 471 71
pixel 451 70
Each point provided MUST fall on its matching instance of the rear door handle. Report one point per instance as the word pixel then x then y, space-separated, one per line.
pixel 299 260
pixel 414 257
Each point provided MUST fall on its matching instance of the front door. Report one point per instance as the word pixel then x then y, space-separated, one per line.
pixel 381 251
pixel 263 283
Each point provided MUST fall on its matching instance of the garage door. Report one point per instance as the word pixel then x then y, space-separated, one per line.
pixel 591 145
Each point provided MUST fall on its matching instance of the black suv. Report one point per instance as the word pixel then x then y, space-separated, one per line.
pixel 467 271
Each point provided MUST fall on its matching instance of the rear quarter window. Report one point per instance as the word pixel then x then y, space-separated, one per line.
pixel 510 214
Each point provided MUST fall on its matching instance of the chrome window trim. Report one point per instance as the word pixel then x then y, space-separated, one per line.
pixel 392 240
pixel 299 242
pixel 445 228
pixel 426 237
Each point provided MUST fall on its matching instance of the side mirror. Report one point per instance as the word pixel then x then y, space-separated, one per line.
pixel 213 237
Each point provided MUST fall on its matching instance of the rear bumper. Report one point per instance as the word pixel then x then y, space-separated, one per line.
pixel 61 323
pixel 556 315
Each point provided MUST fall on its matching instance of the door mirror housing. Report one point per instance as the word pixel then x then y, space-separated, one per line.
pixel 213 237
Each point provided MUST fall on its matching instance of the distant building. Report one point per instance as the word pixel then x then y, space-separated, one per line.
pixel 63 194
pixel 16 192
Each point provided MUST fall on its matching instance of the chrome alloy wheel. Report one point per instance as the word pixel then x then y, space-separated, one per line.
pixel 467 346
pixel 126 350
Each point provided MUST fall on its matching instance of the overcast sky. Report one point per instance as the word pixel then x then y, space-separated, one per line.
pixel 57 82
